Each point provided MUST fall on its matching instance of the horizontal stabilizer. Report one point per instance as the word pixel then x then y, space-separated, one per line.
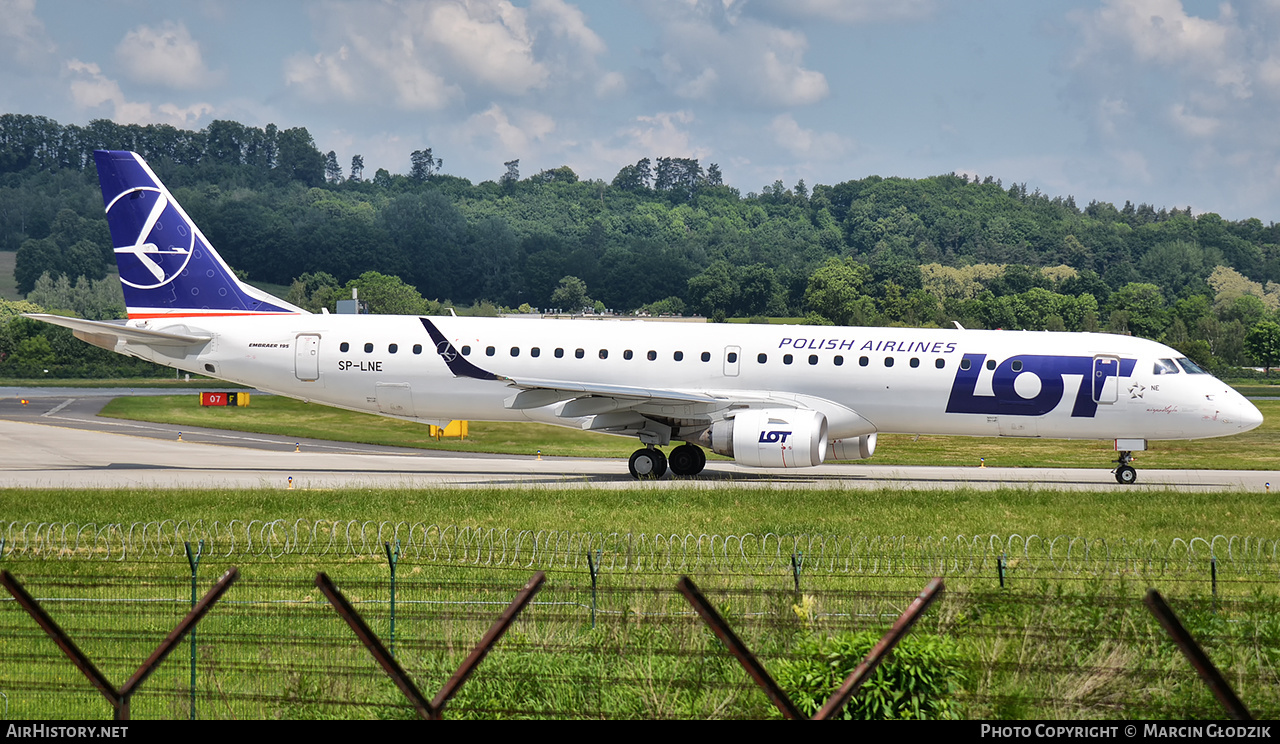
pixel 119 331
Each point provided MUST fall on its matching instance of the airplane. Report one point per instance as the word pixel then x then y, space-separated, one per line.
pixel 769 396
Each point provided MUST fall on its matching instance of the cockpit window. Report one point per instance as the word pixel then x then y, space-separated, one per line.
pixel 1165 367
pixel 1190 366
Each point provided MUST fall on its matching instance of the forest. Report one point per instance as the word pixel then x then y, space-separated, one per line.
pixel 665 236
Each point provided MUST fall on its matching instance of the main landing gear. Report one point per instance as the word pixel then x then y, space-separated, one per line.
pixel 687 459
pixel 1125 473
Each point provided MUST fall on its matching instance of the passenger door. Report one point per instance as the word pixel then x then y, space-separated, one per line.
pixel 306 357
pixel 1106 379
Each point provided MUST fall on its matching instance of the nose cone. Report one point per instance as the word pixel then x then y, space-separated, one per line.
pixel 1249 417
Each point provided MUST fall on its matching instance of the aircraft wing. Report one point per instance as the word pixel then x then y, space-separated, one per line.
pixel 106 334
pixel 590 398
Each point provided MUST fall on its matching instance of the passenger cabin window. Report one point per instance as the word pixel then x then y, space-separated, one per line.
pixel 888 361
pixel 490 351
pixel 559 353
pixel 786 358
pixel 466 351
pixel 915 362
pixel 965 364
pixel 733 357
pixel 706 356
pixel 627 354
pixel 1165 367
pixel 344 347
pixel 762 358
pixel 368 348
pixel 604 353
pixel 839 361
pixel 417 348
pixel 991 364
pixel 515 351
pixel 535 352
pixel 652 355
pixel 393 348
pixel 940 363
pixel 813 359
pixel 678 356
pixel 579 353
pixel 863 361
pixel 1017 366
pixel 1190 366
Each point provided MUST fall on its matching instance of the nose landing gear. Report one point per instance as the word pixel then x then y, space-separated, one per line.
pixel 1125 473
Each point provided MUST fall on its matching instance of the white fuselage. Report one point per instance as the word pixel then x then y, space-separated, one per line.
pixel 962 382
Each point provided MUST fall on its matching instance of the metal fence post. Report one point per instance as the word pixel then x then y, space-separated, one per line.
pixel 797 564
pixel 1213 580
pixel 594 568
pixel 392 559
pixel 1209 673
pixel 1000 568
pixel 193 560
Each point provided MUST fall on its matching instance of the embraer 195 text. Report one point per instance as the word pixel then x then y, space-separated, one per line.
pixel 768 396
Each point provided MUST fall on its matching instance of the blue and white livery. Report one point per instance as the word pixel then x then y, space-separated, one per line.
pixel 767 396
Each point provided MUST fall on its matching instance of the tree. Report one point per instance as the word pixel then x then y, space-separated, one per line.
pixel 314 291
pixel 571 295
pixel 299 160
pixel 835 291
pixel 1263 344
pixel 357 168
pixel 389 295
pixel 513 172
pixel 423 165
pixel 332 171
pixel 1141 310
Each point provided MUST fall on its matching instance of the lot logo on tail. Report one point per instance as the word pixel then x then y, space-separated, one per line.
pixel 164 244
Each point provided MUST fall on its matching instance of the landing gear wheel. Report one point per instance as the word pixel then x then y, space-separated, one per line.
pixel 687 459
pixel 648 463
pixel 1125 474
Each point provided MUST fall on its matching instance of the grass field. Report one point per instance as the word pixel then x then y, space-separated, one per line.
pixel 1130 514
pixel 1255 450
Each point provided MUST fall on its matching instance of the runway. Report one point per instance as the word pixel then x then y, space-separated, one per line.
pixel 59 442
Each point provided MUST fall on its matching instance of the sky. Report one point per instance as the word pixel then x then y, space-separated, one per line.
pixel 1167 102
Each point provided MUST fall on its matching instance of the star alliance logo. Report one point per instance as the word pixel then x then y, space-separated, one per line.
pixel 1136 390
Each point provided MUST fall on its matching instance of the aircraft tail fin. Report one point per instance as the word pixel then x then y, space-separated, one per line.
pixel 167 266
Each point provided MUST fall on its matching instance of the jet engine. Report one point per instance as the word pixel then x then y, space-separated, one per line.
pixel 771 438
pixel 853 448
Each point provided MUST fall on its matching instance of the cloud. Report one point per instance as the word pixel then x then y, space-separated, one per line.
pixel 432 55
pixel 23 38
pixel 807 144
pixel 511 134
pixel 714 52
pixel 90 89
pixel 849 12
pixel 165 55
pixel 1151 78
pixel 1161 32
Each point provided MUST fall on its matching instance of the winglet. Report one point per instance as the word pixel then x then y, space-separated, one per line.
pixel 458 365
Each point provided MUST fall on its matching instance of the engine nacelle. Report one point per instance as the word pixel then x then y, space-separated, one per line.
pixel 772 438
pixel 853 448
